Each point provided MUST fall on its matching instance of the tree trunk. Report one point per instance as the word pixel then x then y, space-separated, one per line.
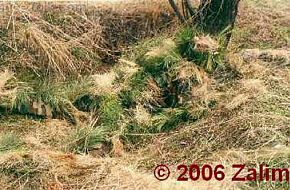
pixel 212 16
pixel 188 5
pixel 176 10
pixel 215 16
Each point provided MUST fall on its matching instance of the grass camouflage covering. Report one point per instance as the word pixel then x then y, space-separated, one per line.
pixel 70 121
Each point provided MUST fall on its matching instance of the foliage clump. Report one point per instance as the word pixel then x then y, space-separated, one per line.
pixel 158 96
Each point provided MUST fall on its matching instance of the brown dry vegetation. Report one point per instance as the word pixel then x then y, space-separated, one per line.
pixel 238 113
pixel 69 39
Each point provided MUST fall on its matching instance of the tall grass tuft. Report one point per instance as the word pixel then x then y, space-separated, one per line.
pixel 87 138
pixel 110 112
pixel 50 100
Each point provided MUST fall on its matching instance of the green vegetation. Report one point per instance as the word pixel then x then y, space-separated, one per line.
pixel 110 112
pixel 169 120
pixel 9 142
pixel 56 98
pixel 166 74
pixel 280 161
pixel 70 120
pixel 86 139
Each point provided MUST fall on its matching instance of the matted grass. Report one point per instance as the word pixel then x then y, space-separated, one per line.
pixel 160 104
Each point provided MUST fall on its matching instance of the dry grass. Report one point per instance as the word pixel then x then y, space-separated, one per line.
pixel 262 24
pixel 43 47
pixel 245 110
pixel 252 115
pixel 61 40
pixel 104 82
pixel 53 52
pixel 5 77
pixel 7 92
